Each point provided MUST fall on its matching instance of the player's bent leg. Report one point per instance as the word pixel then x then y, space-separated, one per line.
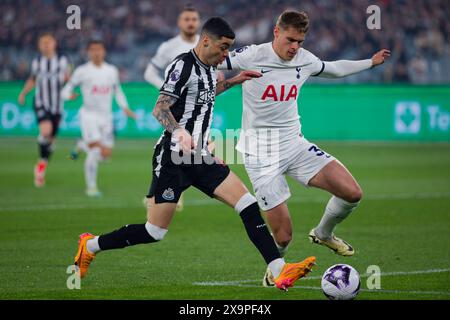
pixel 234 193
pixel 154 230
pixel 106 152
pixel 81 146
pixel 281 226
pixel 44 143
pixel 94 156
pixel 337 180
pixel 160 214
pixel 180 203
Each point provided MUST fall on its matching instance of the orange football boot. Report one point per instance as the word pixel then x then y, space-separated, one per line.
pixel 291 272
pixel 84 258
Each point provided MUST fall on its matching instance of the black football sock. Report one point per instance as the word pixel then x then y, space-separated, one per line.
pixel 44 148
pixel 126 236
pixel 258 233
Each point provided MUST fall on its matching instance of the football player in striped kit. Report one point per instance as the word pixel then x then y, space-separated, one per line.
pixel 49 71
pixel 189 25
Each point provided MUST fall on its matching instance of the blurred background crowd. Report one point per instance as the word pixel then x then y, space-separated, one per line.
pixel 417 32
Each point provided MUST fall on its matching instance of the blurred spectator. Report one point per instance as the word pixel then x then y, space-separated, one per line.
pixel 417 31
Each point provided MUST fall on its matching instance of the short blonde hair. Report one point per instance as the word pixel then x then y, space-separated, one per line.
pixel 296 19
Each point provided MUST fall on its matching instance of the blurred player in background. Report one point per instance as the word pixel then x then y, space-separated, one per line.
pixel 49 71
pixel 185 110
pixel 271 130
pixel 99 82
pixel 189 24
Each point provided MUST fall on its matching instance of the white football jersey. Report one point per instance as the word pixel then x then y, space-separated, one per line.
pixel 170 49
pixel 270 102
pixel 98 86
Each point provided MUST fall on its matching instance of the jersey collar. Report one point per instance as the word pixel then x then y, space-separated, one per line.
pixel 198 60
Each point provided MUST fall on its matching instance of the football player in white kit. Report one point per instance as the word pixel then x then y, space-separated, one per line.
pixel 99 82
pixel 189 24
pixel 271 139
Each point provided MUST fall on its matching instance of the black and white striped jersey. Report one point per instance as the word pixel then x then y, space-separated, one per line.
pixel 49 75
pixel 194 85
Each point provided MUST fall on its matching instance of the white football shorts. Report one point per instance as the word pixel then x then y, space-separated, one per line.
pixel 298 158
pixel 96 127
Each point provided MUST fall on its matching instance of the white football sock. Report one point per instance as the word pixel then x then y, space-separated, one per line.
pixel 92 245
pixel 282 250
pixel 336 210
pixel 91 166
pixel 276 266
pixel 82 146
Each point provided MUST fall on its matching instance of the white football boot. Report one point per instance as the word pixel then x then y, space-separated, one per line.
pixel 336 244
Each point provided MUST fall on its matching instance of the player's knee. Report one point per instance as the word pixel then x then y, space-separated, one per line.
pixel 285 241
pixel 244 202
pixel 106 153
pixel 44 139
pixel 155 232
pixel 283 237
pixel 354 195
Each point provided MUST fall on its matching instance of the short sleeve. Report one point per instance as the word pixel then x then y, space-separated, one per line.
pixel 317 65
pixel 177 78
pixel 116 77
pixel 34 68
pixel 162 57
pixel 64 64
pixel 239 59
pixel 76 77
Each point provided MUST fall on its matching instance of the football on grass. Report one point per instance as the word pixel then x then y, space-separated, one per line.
pixel 341 282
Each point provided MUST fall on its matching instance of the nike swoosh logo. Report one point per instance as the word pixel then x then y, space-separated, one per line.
pixel 265 71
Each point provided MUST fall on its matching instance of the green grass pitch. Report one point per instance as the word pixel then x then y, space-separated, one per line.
pixel 402 226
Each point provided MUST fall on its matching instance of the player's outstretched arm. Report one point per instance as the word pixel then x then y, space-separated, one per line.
pixel 379 57
pixel 162 113
pixel 342 68
pixel 240 78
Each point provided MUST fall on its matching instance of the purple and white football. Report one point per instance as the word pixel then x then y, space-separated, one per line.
pixel 341 282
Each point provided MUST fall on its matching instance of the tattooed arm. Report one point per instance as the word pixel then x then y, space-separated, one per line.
pixel 240 78
pixel 223 86
pixel 162 113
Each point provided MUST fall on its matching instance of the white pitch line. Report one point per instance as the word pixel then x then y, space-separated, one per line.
pixel 444 293
pixel 44 207
pixel 320 199
pixel 202 202
pixel 248 282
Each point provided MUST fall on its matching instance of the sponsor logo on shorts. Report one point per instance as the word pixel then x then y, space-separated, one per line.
pixel 318 151
pixel 168 194
pixel 264 199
